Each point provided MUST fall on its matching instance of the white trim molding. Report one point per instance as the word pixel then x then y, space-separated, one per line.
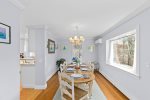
pixel 28 85
pixel 50 76
pixel 135 69
pixel 116 84
pixel 18 4
pixel 135 13
pixel 40 87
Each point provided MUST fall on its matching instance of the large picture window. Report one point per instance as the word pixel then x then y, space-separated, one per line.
pixel 121 51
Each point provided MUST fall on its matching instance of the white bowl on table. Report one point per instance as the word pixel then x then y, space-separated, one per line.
pixel 70 69
pixel 77 75
pixel 84 69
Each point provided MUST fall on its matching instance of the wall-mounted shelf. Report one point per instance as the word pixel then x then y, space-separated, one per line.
pixel 27 61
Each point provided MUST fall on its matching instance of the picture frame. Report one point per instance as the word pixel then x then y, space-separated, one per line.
pixel 51 46
pixel 5 33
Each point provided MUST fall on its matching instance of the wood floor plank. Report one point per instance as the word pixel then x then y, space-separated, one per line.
pixel 29 94
pixel 111 92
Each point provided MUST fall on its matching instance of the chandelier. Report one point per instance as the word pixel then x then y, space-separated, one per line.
pixel 76 40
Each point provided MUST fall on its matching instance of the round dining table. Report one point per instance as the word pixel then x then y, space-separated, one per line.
pixel 83 80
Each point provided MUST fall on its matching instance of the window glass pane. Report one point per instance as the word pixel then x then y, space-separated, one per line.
pixel 123 50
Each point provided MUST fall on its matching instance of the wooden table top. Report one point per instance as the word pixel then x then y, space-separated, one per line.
pixel 81 80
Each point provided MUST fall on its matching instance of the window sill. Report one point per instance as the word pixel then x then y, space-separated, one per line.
pixel 126 69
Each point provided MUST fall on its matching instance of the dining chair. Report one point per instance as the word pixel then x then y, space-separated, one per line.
pixel 92 67
pixel 61 67
pixel 68 90
pixel 65 63
pixel 85 86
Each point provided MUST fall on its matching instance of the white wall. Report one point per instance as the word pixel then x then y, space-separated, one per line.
pixel 9 54
pixel 28 76
pixel 67 54
pixel 35 76
pixel 135 88
pixel 40 79
pixel 28 71
pixel 87 56
pixel 50 67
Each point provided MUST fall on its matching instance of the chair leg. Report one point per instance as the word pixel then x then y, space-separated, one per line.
pixel 85 97
pixel 90 89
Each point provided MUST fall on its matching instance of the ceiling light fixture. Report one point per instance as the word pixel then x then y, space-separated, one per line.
pixel 77 40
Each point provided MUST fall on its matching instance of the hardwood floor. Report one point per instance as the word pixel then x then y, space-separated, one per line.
pixel 111 92
pixel 29 94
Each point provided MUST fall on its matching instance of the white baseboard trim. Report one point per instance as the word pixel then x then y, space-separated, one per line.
pixel 40 87
pixel 117 86
pixel 27 85
pixel 106 76
pixel 50 75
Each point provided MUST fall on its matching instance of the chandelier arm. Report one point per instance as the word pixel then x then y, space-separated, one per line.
pixel 76 40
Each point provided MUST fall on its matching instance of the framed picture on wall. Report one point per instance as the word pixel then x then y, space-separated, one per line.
pixel 5 33
pixel 51 46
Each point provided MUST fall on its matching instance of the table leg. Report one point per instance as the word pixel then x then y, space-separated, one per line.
pixel 90 89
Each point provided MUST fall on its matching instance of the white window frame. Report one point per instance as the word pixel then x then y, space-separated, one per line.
pixel 133 70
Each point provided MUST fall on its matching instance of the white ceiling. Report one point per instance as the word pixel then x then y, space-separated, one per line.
pixel 92 16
